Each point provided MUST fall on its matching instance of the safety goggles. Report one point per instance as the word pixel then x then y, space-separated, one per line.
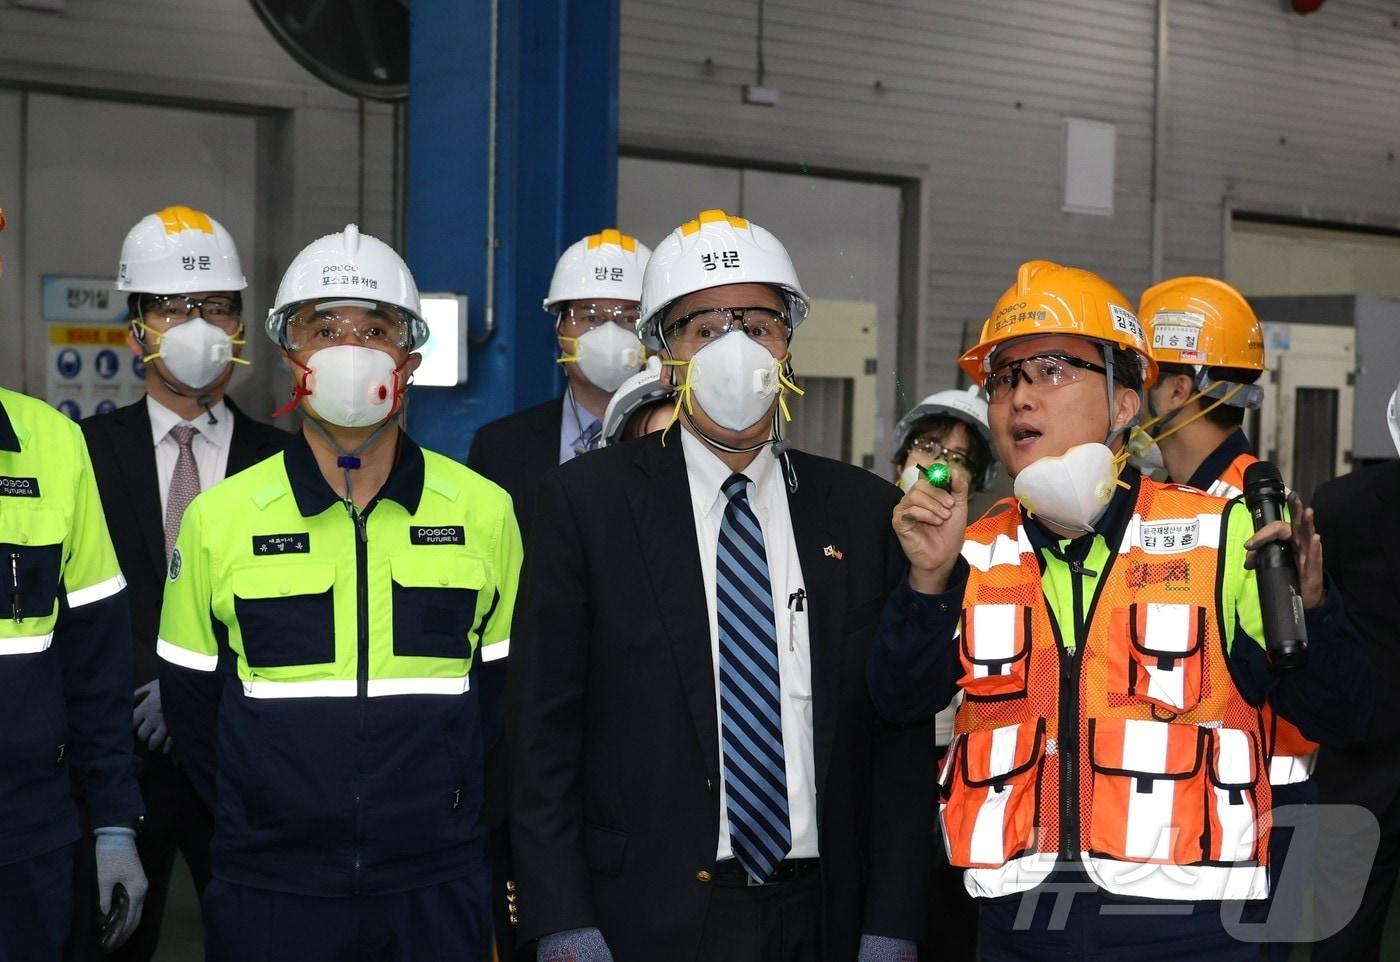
pixel 765 325
pixel 221 310
pixel 1040 371
pixel 328 323
pixel 589 316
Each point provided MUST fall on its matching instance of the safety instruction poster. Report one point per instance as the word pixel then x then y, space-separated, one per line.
pixel 90 368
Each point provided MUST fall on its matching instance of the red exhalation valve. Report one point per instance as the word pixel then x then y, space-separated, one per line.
pixel 1307 6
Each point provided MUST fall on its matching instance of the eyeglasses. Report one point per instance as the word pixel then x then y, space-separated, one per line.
pixel 1039 371
pixel 378 326
pixel 765 325
pixel 594 315
pixel 957 459
pixel 218 309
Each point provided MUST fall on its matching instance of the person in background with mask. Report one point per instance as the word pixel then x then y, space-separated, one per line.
pixel 1359 516
pixel 1209 350
pixel 687 681
pixel 64 677
pixel 1107 636
pixel 947 427
pixel 182 276
pixel 593 298
pixel 643 404
pixel 323 611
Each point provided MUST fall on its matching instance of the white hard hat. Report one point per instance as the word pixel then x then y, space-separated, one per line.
pixel 178 250
pixel 604 265
pixel 968 406
pixel 640 389
pixel 713 250
pixel 347 265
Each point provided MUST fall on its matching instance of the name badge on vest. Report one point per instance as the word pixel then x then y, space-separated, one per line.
pixel 442 534
pixel 269 544
pixel 19 487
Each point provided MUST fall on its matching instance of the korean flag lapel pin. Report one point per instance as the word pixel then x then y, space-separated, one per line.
pixel 831 551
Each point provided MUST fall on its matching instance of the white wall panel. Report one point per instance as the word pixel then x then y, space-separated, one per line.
pixel 971 98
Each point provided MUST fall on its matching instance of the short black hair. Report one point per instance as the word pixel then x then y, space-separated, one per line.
pixel 979 453
pixel 1222 415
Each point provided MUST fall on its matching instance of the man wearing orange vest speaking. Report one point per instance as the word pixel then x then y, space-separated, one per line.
pixel 1108 758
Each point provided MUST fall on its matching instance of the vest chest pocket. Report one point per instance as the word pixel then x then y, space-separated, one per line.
pixel 31 563
pixel 285 613
pixel 1232 834
pixel 991 789
pixel 434 601
pixel 1156 654
pixel 1148 790
pixel 995 647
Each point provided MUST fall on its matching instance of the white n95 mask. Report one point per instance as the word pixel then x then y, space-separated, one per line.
pixel 1071 491
pixel 351 385
pixel 195 352
pixel 735 380
pixel 607 355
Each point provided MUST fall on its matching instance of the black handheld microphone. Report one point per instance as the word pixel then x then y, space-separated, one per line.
pixel 1285 632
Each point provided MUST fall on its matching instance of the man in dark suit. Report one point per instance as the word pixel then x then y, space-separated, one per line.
pixel 593 297
pixel 1358 516
pixel 697 769
pixel 150 459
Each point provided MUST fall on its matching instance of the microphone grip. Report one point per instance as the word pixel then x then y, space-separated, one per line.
pixel 1285 632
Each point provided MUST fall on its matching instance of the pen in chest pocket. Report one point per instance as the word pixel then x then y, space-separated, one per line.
pixel 796 602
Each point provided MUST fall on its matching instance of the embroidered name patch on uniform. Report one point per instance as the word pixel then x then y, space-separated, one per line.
pixel 266 544
pixel 1169 537
pixel 443 534
pixel 19 487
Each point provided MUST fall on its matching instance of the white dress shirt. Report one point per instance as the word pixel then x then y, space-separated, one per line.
pixel 768 499
pixel 210 445
pixel 572 425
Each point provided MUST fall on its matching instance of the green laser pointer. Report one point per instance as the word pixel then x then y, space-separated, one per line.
pixel 938 475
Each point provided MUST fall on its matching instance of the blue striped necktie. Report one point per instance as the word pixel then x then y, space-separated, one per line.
pixel 755 776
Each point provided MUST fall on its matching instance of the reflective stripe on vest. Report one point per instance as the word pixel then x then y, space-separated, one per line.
pixel 1292 756
pixel 1169 757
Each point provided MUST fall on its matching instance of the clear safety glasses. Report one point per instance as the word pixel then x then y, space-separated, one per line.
pixel 1040 371
pixel 334 322
pixel 221 310
pixel 765 325
pixel 936 451
pixel 585 317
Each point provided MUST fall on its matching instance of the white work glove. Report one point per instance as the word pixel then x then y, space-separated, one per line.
pixel 574 945
pixel 118 865
pixel 148 719
pixel 882 948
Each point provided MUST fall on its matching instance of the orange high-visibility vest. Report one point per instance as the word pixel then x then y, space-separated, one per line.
pixel 1292 756
pixel 1128 748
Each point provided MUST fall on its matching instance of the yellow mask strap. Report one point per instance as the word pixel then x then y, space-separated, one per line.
pixel 682 397
pixel 567 358
pixel 1203 392
pixel 786 384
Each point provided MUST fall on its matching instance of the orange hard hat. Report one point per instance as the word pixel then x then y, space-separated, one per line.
pixel 1050 299
pixel 1202 321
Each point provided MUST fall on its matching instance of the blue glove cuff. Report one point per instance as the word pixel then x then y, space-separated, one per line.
pixel 115 838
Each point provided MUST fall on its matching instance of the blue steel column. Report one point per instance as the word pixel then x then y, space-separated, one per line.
pixel 556 180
